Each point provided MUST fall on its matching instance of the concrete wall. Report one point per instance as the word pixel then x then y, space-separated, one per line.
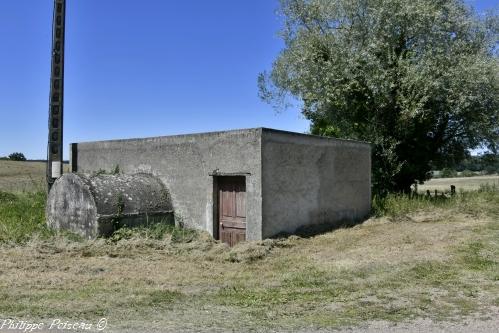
pixel 312 180
pixel 185 163
pixel 292 180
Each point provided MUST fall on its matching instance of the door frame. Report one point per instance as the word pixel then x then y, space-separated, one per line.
pixel 216 205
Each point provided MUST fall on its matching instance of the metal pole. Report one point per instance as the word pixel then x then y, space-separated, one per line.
pixel 55 143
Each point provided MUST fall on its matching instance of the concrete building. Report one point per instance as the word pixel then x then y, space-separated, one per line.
pixel 245 184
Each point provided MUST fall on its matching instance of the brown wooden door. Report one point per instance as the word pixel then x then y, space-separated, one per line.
pixel 232 209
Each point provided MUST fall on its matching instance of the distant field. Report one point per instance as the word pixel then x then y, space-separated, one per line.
pixel 461 183
pixel 23 176
pixel 30 176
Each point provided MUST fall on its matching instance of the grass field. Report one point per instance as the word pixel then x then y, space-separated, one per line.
pixel 420 258
pixel 461 183
pixel 23 176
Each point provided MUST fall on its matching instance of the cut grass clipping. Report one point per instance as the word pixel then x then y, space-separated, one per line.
pixel 420 258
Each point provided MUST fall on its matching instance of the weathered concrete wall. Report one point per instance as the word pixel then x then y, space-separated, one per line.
pixel 312 180
pixel 94 205
pixel 292 180
pixel 185 164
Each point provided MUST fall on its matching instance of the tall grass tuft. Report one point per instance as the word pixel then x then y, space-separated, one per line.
pixel 399 204
pixel 22 216
pixel 156 231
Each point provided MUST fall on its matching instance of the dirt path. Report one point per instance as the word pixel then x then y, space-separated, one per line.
pixel 427 326
pixel 418 326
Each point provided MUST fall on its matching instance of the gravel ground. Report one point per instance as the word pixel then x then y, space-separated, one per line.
pixel 490 325
pixel 427 326
pixel 417 326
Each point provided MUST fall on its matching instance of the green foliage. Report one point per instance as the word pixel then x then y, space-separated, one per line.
pixel 448 173
pixel 7 197
pixel 120 207
pixel 162 297
pixel 487 163
pixel 432 273
pixel 120 204
pixel 158 230
pixel 22 217
pixel 490 170
pixel 17 157
pixel 400 204
pixel 183 235
pixel 116 170
pixel 418 79
pixel 474 259
pixel 99 172
pixel 467 173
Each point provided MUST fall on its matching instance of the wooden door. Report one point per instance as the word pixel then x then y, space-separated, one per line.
pixel 232 209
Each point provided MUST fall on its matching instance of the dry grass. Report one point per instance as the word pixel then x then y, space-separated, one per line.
pixel 22 176
pixel 423 258
pixel 16 176
pixel 438 263
pixel 461 183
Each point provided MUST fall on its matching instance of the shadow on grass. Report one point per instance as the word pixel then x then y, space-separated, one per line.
pixel 321 228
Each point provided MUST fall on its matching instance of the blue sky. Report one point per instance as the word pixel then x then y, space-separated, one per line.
pixel 137 68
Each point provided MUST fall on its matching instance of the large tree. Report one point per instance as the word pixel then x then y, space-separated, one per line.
pixel 418 79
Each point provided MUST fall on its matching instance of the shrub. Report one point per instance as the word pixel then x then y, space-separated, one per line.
pixel 490 170
pixel 17 157
pixel 448 173
pixel 486 199
pixel 467 173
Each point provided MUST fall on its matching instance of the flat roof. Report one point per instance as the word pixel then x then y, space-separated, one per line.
pixel 234 131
